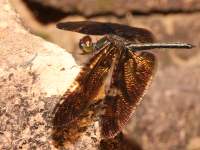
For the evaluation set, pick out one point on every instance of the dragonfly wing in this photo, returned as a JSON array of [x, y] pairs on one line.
[[130, 79], [85, 88], [100, 28]]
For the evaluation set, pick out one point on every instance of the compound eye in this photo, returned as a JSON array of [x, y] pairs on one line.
[[86, 44]]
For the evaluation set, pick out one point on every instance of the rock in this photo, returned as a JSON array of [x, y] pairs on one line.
[[34, 74], [94, 7], [168, 115], [194, 144]]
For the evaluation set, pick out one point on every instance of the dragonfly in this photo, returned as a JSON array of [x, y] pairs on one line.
[[121, 63]]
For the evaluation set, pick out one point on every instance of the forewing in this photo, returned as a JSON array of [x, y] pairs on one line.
[[130, 79], [99, 28], [85, 87]]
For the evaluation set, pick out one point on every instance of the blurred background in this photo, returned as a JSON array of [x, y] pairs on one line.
[[168, 117]]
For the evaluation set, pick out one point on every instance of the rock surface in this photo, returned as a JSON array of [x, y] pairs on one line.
[[119, 7], [34, 74]]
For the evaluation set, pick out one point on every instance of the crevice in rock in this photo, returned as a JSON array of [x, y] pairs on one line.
[[48, 14]]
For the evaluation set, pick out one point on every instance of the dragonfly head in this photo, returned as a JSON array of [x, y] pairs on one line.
[[86, 44]]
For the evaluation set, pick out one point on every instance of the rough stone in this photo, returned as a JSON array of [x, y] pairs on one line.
[[119, 7], [34, 74]]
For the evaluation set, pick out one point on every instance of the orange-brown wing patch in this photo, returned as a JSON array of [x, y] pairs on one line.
[[85, 88], [130, 79]]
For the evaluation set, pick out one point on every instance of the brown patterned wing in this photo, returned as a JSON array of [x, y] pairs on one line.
[[130, 79], [85, 87], [100, 28]]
